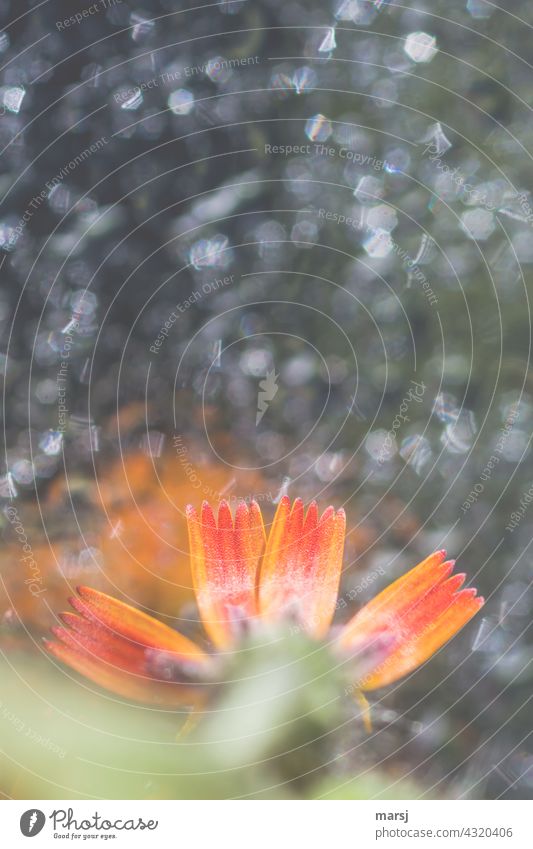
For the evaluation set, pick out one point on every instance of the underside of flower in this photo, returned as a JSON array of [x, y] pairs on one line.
[[241, 578]]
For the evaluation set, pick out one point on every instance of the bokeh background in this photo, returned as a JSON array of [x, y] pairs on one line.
[[246, 249]]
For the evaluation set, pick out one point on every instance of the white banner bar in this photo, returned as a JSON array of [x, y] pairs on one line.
[[268, 824]]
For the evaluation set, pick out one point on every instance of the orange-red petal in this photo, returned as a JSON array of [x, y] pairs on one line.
[[410, 620], [302, 565], [225, 554], [128, 652], [388, 607], [127, 621]]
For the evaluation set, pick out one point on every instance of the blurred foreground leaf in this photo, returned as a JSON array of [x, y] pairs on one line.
[[272, 723], [374, 785]]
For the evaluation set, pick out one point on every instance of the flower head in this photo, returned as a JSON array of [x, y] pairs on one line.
[[242, 579]]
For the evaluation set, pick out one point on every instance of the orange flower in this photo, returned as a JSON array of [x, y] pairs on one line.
[[242, 579]]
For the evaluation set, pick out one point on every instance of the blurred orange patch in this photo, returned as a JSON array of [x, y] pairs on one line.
[[124, 531]]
